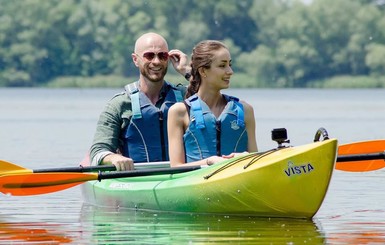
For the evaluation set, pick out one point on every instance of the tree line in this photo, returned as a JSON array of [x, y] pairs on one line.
[[274, 43]]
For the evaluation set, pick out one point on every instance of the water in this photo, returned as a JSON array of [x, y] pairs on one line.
[[42, 128]]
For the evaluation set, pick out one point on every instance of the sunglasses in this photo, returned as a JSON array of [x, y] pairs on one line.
[[163, 56]]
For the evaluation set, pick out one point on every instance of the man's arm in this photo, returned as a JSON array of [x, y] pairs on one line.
[[112, 120]]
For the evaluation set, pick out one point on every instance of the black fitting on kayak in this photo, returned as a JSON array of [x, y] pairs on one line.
[[99, 175], [279, 135], [323, 132]]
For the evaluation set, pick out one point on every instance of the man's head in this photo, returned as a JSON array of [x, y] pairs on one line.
[[151, 56]]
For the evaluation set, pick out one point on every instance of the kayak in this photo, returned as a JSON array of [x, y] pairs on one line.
[[282, 182]]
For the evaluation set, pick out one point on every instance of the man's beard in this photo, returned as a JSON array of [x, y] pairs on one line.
[[153, 77]]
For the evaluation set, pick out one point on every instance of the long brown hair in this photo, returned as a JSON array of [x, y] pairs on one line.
[[202, 56]]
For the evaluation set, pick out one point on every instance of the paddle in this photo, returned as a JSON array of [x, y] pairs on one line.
[[365, 156], [41, 183]]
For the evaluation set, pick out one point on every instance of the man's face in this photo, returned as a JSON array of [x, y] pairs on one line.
[[153, 63]]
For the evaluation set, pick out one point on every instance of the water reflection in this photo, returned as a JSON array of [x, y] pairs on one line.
[[358, 237], [32, 233], [352, 229], [128, 226]]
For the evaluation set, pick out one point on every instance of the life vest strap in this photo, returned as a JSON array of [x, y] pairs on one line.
[[198, 114]]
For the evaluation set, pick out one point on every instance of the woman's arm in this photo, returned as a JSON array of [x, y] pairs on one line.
[[250, 127], [175, 129]]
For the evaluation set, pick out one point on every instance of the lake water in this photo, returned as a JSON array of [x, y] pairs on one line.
[[42, 128]]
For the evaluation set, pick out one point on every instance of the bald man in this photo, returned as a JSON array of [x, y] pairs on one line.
[[133, 126]]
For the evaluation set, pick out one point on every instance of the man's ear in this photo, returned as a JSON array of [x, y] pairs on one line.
[[135, 59]]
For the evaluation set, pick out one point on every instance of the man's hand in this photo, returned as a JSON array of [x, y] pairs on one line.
[[180, 61], [121, 163]]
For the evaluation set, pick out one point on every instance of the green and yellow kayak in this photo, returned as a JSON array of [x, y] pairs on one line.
[[283, 182]]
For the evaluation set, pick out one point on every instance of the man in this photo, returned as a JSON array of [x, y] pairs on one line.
[[133, 126]]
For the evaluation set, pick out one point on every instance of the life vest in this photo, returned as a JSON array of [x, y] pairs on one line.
[[208, 136], [145, 137]]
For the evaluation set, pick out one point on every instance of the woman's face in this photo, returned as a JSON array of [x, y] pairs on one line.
[[220, 72]]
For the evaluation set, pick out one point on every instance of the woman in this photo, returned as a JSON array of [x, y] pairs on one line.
[[209, 126]]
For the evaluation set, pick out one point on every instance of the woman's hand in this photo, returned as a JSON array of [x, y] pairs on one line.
[[235, 154], [214, 159]]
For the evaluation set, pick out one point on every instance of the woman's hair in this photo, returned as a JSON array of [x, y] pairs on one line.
[[202, 56]]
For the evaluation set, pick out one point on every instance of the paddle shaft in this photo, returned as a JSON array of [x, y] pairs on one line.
[[361, 157], [79, 169], [84, 169], [146, 172]]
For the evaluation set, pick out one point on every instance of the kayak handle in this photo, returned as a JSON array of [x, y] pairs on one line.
[[323, 132]]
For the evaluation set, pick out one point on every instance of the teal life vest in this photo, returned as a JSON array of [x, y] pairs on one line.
[[145, 138], [208, 136]]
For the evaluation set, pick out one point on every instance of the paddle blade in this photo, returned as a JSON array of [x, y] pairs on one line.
[[42, 183], [362, 147], [10, 168]]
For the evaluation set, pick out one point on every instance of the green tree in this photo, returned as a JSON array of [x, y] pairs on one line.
[[375, 59], [278, 43]]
